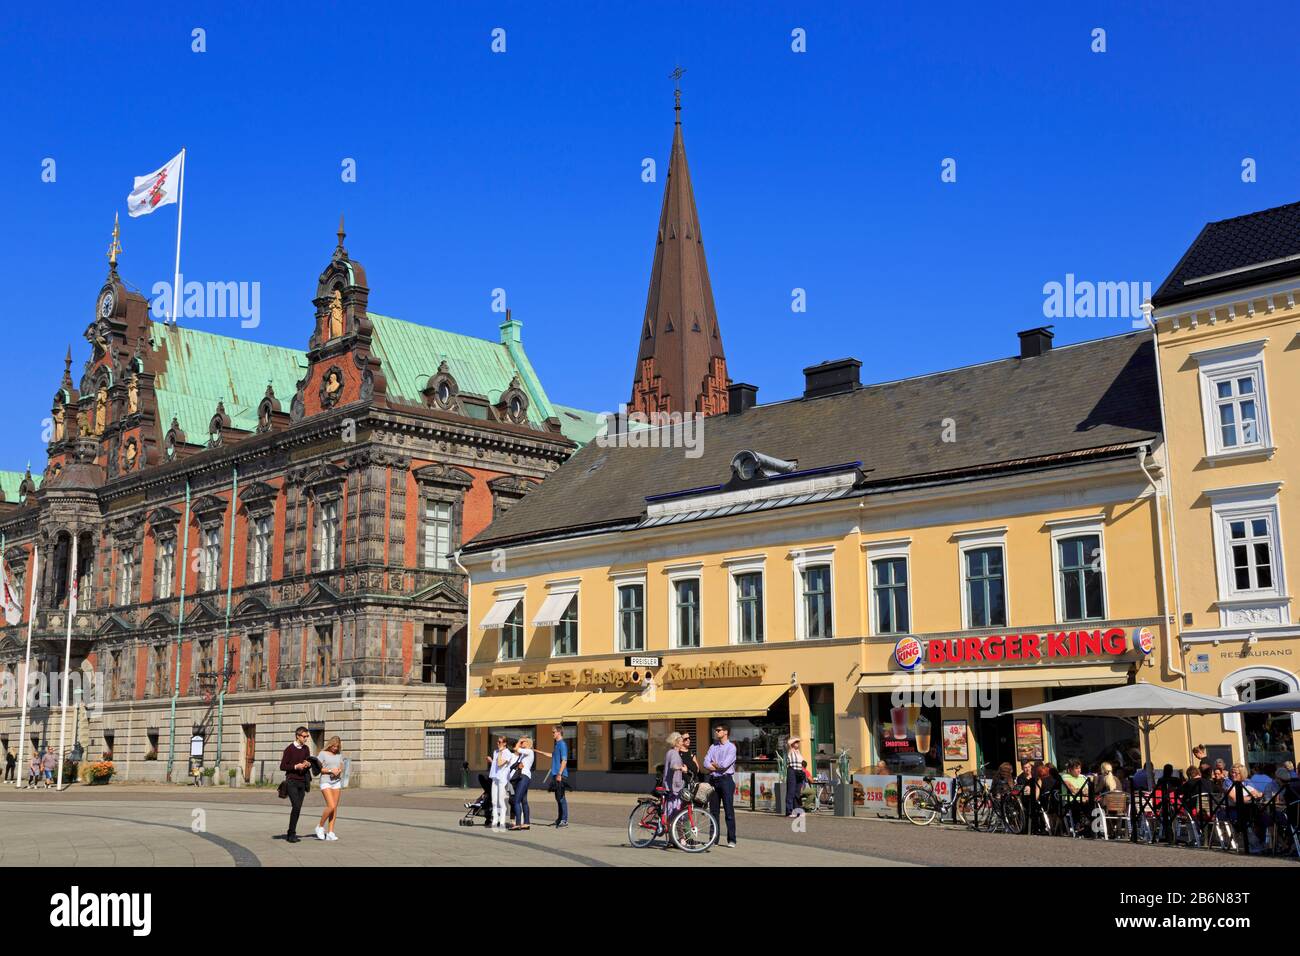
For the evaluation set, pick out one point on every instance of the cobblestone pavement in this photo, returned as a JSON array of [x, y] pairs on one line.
[[130, 825]]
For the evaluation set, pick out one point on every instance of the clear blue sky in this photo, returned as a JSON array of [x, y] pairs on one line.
[[522, 170]]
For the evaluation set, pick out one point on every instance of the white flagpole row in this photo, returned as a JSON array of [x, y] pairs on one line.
[[27, 664], [67, 655], [180, 209]]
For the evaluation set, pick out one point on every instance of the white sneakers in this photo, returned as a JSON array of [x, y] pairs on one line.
[[331, 836], [320, 833]]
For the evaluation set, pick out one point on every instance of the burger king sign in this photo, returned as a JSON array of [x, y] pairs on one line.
[[1144, 640], [907, 653]]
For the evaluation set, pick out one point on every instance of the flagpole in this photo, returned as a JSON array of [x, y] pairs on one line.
[[26, 661], [67, 659], [180, 209]]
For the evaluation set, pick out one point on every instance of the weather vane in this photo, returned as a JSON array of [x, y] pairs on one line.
[[115, 247], [676, 76]]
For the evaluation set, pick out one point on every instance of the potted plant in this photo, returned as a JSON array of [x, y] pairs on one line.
[[230, 776], [101, 772]]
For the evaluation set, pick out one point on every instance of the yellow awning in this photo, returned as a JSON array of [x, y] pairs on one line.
[[517, 710], [1077, 676], [752, 701]]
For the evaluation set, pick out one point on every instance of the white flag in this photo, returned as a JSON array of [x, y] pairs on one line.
[[156, 189], [12, 601]]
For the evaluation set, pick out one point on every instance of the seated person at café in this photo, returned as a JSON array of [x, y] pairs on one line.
[[1075, 782]]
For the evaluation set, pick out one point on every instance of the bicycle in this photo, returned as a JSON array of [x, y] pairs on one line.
[[823, 791], [989, 810], [922, 806], [691, 829]]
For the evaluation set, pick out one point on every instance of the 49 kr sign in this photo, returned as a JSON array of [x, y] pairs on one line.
[[1112, 643]]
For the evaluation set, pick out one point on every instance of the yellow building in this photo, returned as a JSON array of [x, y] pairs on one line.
[[782, 565], [1228, 329]]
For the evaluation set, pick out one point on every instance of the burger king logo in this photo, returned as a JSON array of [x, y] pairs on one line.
[[1145, 640], [907, 652]]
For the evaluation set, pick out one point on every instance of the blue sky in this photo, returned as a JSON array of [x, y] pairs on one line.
[[816, 170]]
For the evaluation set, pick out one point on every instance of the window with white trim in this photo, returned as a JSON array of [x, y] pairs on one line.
[[1250, 550], [1079, 577], [890, 603], [1234, 399], [260, 570], [1249, 555], [815, 584], [437, 534], [564, 638], [210, 559], [631, 617], [748, 587], [686, 612], [165, 565], [126, 576], [512, 635], [327, 532], [985, 586]]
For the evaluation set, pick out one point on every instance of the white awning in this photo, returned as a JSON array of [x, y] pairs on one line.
[[553, 608], [500, 610]]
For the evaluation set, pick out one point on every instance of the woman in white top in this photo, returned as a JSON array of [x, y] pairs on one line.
[[522, 771], [331, 786], [499, 769], [794, 777]]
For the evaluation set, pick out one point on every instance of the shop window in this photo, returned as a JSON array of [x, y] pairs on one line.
[[748, 587], [758, 739], [564, 638], [629, 747], [986, 598], [1268, 737], [512, 634], [1079, 562], [816, 582], [1088, 739], [686, 612], [631, 617], [908, 737], [889, 595]]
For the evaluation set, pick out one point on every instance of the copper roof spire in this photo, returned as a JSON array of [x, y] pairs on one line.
[[680, 365]]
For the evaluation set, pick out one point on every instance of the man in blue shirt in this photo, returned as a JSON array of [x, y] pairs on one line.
[[720, 762], [559, 774]]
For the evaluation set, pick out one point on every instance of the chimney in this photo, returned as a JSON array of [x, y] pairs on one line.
[[1035, 342], [831, 378], [741, 397], [510, 330]]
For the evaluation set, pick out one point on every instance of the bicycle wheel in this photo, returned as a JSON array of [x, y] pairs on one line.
[[965, 807], [1013, 815], [920, 806], [643, 825], [693, 830]]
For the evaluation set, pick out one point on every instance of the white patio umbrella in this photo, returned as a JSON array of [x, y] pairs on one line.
[[1146, 706], [1281, 704]]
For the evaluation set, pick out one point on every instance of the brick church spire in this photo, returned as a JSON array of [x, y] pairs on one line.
[[680, 366]]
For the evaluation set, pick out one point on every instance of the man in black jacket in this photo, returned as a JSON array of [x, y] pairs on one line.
[[296, 764]]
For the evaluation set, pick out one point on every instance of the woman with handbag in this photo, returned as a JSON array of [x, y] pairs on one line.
[[674, 774], [520, 778], [795, 776], [499, 769]]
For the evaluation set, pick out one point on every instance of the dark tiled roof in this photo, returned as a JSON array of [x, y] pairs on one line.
[[1236, 244], [1087, 396]]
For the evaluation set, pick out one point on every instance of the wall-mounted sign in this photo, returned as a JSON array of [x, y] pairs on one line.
[[631, 661], [955, 746], [1028, 648], [1144, 639], [1029, 739], [622, 677], [907, 653]]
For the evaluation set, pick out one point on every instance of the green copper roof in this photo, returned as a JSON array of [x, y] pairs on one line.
[[11, 480], [203, 368]]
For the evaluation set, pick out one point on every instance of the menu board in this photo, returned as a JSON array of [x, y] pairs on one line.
[[876, 792], [955, 745], [765, 790], [1029, 739], [744, 790]]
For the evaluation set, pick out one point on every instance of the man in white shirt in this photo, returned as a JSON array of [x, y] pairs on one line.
[[501, 761]]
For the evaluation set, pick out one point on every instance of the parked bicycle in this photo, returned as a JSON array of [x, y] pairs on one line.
[[923, 805], [691, 827]]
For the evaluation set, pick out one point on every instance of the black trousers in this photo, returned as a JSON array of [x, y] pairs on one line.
[[297, 792], [724, 794]]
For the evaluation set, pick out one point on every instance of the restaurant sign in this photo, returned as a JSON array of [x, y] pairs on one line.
[[1112, 643], [623, 677]]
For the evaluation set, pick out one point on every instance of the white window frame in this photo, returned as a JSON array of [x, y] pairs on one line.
[[210, 578], [802, 559], [676, 574], [885, 551], [974, 540], [1230, 363], [435, 559], [1244, 503], [328, 526], [573, 588], [623, 579], [1074, 528], [126, 580], [507, 594], [165, 559], [749, 564], [263, 544]]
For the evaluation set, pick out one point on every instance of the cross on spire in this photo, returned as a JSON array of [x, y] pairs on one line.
[[676, 77]]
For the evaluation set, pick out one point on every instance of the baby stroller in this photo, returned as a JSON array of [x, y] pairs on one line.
[[482, 806]]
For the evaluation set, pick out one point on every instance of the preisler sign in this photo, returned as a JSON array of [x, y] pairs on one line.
[[1029, 648]]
